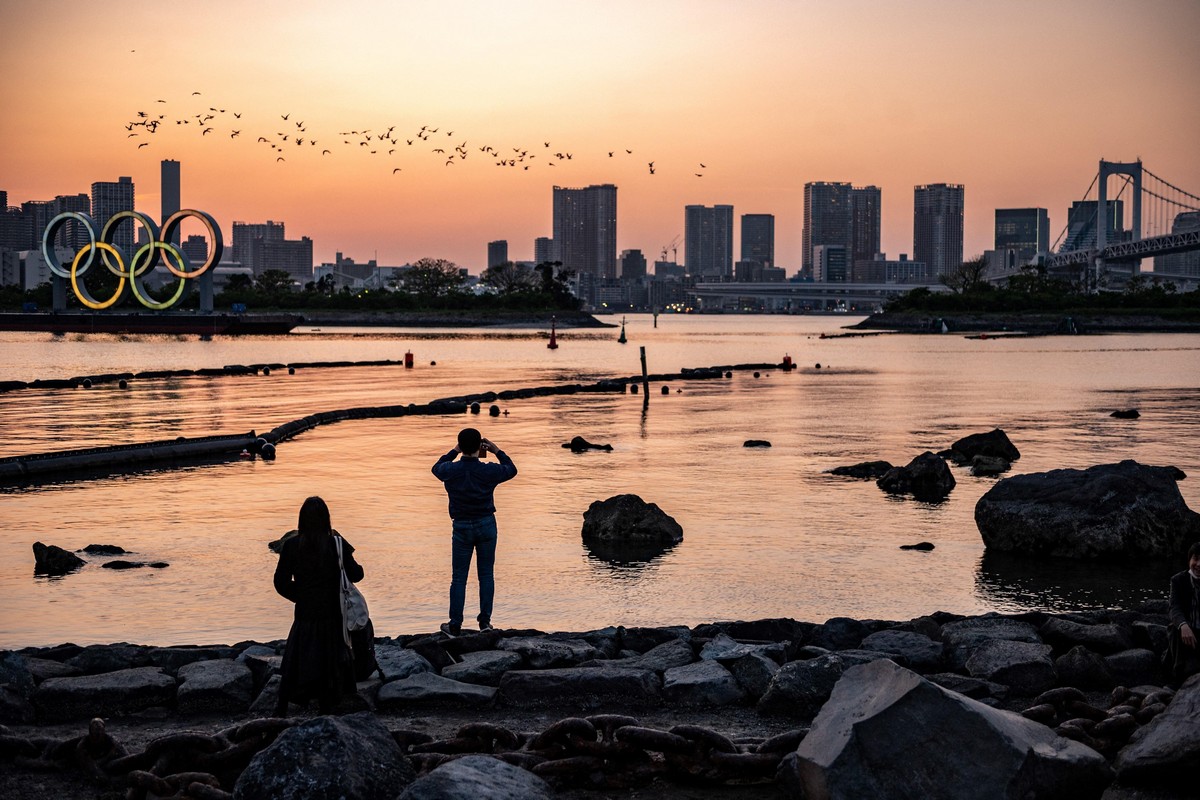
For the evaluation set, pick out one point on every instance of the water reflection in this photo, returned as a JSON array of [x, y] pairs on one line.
[[625, 555], [1012, 582]]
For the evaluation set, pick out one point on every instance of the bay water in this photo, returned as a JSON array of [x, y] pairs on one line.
[[767, 532]]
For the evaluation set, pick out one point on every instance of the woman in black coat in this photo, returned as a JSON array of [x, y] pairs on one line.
[[317, 662]]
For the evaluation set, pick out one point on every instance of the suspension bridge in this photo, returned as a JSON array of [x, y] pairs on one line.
[[1097, 251]]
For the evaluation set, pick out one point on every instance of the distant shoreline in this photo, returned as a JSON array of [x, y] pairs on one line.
[[1038, 323], [450, 319]]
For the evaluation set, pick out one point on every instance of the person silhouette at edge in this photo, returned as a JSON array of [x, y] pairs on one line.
[[470, 482], [316, 661], [1182, 658]]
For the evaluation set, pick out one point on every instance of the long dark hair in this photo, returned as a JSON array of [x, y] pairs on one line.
[[313, 525]]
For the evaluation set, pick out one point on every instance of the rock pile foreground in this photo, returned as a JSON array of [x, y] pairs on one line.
[[993, 703]]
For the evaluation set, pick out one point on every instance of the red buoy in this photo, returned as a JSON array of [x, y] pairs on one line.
[[553, 345], [787, 361], [408, 360]]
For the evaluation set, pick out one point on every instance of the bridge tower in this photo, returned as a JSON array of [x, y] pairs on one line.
[[1134, 171]]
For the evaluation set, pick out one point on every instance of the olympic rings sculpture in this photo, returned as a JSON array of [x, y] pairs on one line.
[[131, 272]]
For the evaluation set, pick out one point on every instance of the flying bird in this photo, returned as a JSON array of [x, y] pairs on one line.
[[324, 152], [703, 167], [285, 116], [195, 93], [281, 158], [143, 144], [235, 133], [206, 130], [397, 169]]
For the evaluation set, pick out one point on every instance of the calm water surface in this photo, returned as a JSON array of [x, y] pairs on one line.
[[766, 532]]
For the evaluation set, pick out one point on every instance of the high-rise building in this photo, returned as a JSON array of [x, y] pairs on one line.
[[1187, 263], [246, 233], [633, 265], [866, 203], [497, 252], [828, 218], [543, 250], [196, 249], [758, 238], [110, 198], [169, 189], [291, 256], [585, 230], [708, 242], [830, 264], [938, 227], [73, 234], [1027, 229], [1081, 225]]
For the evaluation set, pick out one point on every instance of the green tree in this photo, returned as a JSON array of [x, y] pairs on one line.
[[273, 282], [556, 283], [510, 278], [969, 276], [239, 284], [433, 278]]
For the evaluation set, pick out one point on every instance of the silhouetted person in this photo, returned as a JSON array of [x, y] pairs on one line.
[[1183, 654], [317, 663], [470, 482]]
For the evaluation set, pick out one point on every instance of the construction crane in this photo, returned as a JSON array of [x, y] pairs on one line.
[[673, 246]]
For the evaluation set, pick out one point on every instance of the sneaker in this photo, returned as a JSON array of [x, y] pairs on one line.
[[485, 626], [450, 630]]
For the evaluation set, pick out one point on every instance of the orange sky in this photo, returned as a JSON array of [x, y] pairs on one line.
[[1016, 100]]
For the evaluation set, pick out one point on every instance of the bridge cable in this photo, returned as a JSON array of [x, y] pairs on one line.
[[1067, 226], [1173, 186]]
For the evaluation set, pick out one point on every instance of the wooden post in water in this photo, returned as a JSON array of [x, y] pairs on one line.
[[645, 380]]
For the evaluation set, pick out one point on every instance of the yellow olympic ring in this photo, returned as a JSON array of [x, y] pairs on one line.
[[81, 290], [143, 262]]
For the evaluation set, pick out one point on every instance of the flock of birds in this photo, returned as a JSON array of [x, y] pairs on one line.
[[291, 138]]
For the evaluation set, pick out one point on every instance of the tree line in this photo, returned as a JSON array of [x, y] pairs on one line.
[[1033, 289], [430, 284]]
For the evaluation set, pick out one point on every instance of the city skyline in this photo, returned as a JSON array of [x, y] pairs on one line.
[[762, 108]]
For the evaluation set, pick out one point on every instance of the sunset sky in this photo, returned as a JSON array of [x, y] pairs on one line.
[[1016, 100]]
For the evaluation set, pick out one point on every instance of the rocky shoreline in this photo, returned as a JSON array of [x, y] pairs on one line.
[[451, 319], [1036, 324], [727, 709]]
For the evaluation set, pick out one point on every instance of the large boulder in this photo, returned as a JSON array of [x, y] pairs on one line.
[[626, 519], [97, 658], [483, 667], [397, 662], [888, 733], [218, 685], [14, 671], [49, 559], [704, 683], [1024, 667], [800, 688], [540, 652], [926, 477], [328, 758], [1104, 639], [865, 470], [1110, 511], [993, 444], [579, 685], [107, 694], [672, 653], [428, 689], [917, 650], [964, 637], [480, 778], [1166, 752]]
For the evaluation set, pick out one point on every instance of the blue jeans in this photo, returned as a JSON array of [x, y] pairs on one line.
[[473, 536]]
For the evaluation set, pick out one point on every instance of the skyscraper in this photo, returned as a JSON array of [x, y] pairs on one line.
[[828, 218], [585, 230], [758, 238], [245, 234], [1021, 233], [866, 204], [1182, 263], [938, 227], [708, 242], [109, 198], [1081, 225], [497, 252], [543, 250], [169, 189], [633, 265]]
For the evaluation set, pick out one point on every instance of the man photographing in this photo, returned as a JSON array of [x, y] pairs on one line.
[[469, 482]]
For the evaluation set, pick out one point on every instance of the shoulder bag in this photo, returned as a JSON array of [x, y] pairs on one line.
[[354, 605]]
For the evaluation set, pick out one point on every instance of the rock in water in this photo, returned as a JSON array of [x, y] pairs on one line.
[[756, 443], [926, 477], [1110, 511], [886, 732], [51, 560], [865, 470], [579, 444], [1128, 413], [328, 758], [628, 521], [994, 444]]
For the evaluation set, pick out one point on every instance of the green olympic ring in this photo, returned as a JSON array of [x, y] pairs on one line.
[[118, 262]]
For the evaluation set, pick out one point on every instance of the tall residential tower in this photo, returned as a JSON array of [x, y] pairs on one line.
[[938, 227]]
